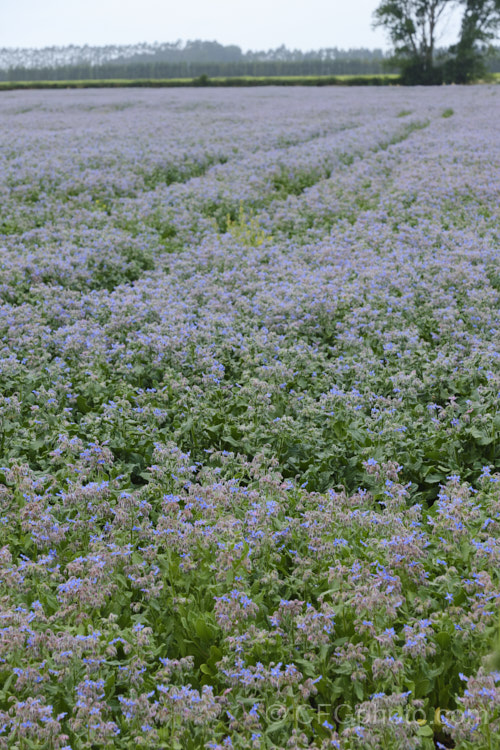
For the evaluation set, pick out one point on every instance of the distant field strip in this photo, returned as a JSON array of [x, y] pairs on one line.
[[203, 81], [249, 418]]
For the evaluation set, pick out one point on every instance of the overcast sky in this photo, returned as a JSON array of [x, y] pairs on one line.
[[252, 24]]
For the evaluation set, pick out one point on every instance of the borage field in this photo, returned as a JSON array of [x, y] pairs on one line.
[[249, 407]]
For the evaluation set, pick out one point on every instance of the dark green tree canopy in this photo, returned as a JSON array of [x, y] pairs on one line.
[[481, 20], [413, 27]]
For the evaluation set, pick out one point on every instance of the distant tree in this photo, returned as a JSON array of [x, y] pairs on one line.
[[413, 27], [467, 58]]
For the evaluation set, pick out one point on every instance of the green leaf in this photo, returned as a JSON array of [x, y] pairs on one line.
[[215, 656], [110, 686], [306, 667], [422, 688], [82, 405], [425, 731], [204, 629], [443, 638], [358, 691], [276, 726], [433, 478]]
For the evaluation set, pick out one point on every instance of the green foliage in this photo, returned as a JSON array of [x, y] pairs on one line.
[[245, 228], [296, 181], [202, 80]]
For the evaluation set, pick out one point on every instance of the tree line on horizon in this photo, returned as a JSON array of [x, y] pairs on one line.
[[412, 26], [191, 59], [191, 51]]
